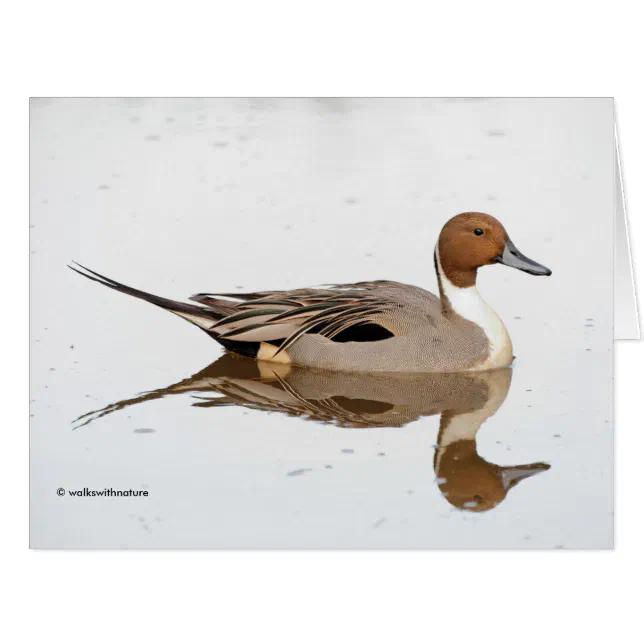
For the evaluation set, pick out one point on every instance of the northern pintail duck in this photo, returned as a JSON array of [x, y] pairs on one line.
[[370, 326]]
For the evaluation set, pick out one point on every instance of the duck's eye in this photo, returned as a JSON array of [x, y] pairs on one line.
[[478, 232]]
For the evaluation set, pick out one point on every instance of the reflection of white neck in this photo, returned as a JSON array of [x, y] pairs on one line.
[[461, 427], [464, 427], [468, 303]]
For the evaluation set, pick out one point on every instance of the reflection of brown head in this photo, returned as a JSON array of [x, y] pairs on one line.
[[469, 482]]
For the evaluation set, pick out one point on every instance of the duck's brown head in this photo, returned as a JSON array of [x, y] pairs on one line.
[[473, 239]]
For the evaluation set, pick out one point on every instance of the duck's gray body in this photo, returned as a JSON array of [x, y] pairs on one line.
[[426, 338], [310, 327]]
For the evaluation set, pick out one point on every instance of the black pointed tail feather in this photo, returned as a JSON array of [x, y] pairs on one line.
[[207, 316]]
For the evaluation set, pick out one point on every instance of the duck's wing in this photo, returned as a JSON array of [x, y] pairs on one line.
[[283, 317]]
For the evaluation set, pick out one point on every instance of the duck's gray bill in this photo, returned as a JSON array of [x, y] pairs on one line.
[[513, 257]]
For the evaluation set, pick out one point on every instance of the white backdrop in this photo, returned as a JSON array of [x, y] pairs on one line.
[[411, 49]]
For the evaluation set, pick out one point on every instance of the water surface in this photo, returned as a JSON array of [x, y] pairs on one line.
[[178, 197]]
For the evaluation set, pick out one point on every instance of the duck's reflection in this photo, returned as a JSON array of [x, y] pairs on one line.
[[464, 401]]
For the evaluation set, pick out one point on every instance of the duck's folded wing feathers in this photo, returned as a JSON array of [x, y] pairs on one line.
[[287, 315]]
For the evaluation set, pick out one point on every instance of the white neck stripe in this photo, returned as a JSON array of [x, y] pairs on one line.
[[467, 302]]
